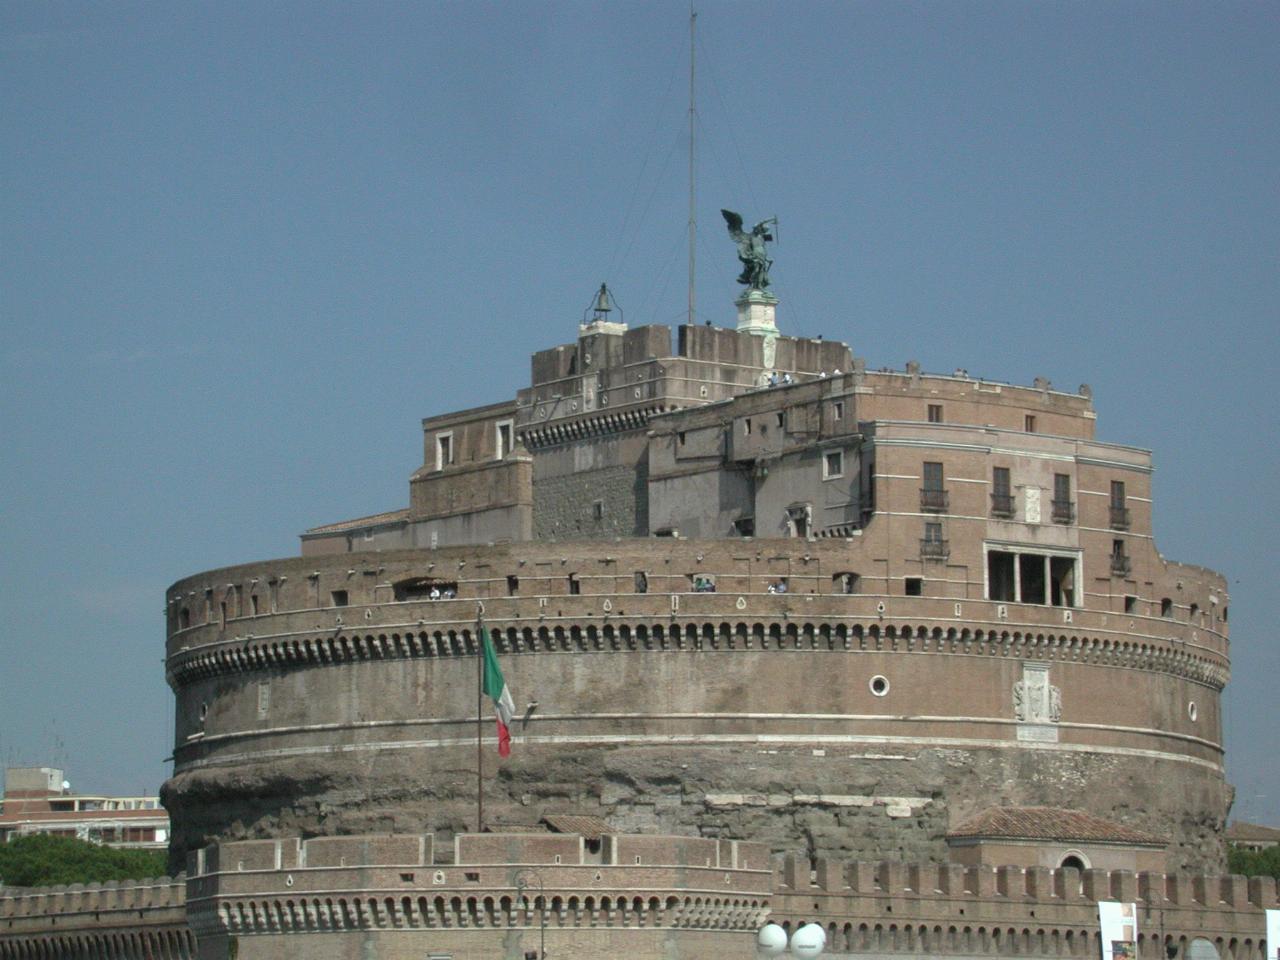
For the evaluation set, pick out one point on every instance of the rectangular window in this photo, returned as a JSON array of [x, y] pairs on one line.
[[575, 585], [641, 582], [1119, 561], [932, 546], [913, 586], [597, 510], [513, 585], [253, 604], [1000, 581], [1029, 423], [932, 495], [837, 410], [782, 418], [746, 427], [1117, 493], [502, 439], [1119, 506], [833, 464], [745, 526], [338, 598], [1001, 493], [1031, 574], [1064, 510], [1166, 607], [1130, 604], [680, 437], [1062, 581], [444, 450], [935, 413]]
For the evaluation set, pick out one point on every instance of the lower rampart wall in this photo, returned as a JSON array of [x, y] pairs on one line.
[[889, 908], [119, 920], [667, 898]]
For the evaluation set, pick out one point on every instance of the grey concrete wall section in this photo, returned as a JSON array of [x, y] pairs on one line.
[[681, 503]]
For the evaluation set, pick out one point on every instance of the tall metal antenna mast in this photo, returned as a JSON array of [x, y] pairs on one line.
[[693, 221]]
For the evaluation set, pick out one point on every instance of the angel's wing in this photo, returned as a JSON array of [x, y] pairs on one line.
[[734, 220]]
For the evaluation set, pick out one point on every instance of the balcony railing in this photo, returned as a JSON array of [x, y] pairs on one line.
[[1120, 565], [1119, 518], [1002, 505], [1064, 511], [933, 500], [935, 549]]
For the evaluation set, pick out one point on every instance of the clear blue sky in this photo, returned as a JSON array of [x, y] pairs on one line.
[[246, 246]]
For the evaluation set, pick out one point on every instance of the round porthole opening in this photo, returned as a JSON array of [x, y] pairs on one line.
[[204, 710], [879, 685], [1192, 712]]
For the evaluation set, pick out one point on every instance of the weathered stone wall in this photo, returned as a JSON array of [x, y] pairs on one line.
[[564, 506], [655, 707]]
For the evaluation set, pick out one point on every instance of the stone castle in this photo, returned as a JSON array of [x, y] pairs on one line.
[[754, 601], [840, 615]]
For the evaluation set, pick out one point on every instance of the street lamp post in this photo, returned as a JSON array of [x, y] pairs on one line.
[[523, 879]]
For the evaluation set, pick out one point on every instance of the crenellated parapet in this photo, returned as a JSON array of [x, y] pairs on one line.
[[947, 909], [638, 891], [117, 919]]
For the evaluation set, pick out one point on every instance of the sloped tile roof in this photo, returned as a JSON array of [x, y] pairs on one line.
[[1050, 823], [1252, 831], [391, 516]]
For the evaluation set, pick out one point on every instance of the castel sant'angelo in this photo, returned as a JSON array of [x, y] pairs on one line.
[[789, 638]]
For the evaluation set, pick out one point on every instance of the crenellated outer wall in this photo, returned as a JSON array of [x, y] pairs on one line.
[[735, 713], [660, 897], [950, 910], [119, 920]]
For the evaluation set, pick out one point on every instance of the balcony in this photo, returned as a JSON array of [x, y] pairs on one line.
[[933, 501], [1119, 518], [1120, 565], [1002, 505], [935, 549], [1064, 511]]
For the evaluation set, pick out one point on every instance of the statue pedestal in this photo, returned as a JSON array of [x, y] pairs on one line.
[[756, 313]]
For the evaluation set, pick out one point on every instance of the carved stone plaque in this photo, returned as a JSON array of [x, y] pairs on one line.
[[1031, 504], [1037, 704]]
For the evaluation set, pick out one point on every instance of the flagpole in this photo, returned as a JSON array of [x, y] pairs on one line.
[[479, 719]]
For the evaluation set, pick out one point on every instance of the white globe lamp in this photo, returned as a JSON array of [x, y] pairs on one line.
[[808, 941], [771, 940]]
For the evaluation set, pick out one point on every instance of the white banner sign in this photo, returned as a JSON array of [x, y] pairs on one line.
[[1118, 923], [1273, 935]]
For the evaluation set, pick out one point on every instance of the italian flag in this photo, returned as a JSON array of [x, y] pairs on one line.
[[496, 687]]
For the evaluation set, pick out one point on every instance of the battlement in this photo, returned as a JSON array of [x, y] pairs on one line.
[[948, 909], [1039, 884], [149, 893], [477, 850], [146, 916]]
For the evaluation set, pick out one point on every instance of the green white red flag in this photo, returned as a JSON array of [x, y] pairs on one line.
[[496, 687]]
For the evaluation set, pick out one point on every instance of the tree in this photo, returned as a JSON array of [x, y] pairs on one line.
[[39, 860], [1254, 863]]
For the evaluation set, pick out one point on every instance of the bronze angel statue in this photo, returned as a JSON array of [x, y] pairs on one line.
[[751, 251]]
